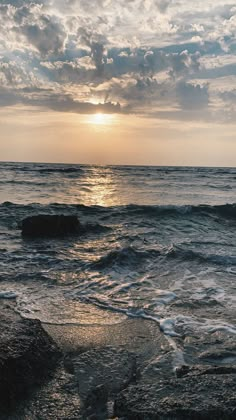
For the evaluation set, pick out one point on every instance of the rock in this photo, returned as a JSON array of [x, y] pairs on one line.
[[217, 349], [208, 397], [27, 355], [50, 225], [218, 355], [197, 370], [58, 398], [103, 372]]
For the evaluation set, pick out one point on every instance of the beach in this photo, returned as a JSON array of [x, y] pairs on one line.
[[130, 271], [118, 371]]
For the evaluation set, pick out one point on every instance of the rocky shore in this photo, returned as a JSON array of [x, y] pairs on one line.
[[28, 356], [122, 371]]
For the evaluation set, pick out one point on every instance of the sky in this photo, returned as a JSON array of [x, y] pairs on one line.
[[118, 82]]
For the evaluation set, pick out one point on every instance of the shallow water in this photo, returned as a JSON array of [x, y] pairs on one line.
[[162, 246]]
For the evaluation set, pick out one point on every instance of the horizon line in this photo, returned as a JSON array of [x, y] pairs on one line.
[[117, 164]]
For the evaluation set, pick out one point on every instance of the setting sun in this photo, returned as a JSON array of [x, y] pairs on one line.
[[100, 119]]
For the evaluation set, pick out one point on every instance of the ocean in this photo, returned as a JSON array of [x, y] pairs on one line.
[[161, 246]]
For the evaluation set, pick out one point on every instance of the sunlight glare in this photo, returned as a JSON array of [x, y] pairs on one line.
[[100, 119]]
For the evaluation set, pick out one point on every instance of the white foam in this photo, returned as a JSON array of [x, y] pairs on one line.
[[8, 294], [168, 327], [164, 297]]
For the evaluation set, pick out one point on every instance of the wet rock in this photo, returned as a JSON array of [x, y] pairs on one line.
[[201, 397], [103, 372], [27, 355], [204, 370], [50, 225], [58, 399], [217, 349], [218, 356], [98, 396]]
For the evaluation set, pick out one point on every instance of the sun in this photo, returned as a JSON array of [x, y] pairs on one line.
[[100, 119]]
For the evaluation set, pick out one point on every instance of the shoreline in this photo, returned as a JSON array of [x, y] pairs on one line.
[[125, 371]]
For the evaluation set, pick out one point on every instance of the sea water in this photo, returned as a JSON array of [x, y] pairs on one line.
[[162, 245]]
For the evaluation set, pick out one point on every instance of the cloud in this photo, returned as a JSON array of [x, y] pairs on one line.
[[229, 96], [20, 3], [96, 47], [51, 99], [192, 97], [142, 54], [48, 38], [68, 104], [44, 32], [15, 74], [163, 5], [8, 97]]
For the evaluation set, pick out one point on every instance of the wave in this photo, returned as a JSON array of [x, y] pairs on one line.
[[188, 255], [25, 182], [124, 256], [44, 169], [95, 228], [130, 256], [220, 187], [61, 170], [225, 211]]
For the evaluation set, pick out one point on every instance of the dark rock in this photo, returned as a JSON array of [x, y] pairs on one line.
[[197, 370], [218, 355], [27, 355], [98, 396], [217, 349], [58, 398], [103, 372], [50, 225], [208, 397]]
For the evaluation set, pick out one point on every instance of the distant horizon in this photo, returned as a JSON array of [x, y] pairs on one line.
[[111, 164]]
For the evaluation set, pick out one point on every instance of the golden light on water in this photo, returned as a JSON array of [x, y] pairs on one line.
[[101, 187]]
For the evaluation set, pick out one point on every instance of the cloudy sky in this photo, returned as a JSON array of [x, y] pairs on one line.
[[125, 81]]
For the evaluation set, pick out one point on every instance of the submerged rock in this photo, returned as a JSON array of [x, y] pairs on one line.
[[50, 225], [27, 355], [204, 396]]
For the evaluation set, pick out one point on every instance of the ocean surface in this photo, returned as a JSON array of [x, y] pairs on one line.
[[162, 245]]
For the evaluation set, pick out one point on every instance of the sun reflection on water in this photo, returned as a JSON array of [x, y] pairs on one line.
[[101, 189]]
